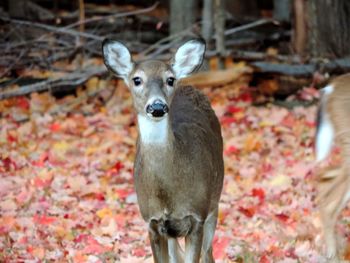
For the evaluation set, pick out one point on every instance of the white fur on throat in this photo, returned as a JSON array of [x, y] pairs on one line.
[[152, 131], [325, 134]]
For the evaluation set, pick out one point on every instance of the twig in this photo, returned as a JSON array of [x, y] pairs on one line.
[[249, 25], [52, 28], [130, 13], [166, 39]]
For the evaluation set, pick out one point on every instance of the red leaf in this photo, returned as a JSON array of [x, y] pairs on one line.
[[264, 259], [289, 121], [123, 193], [11, 138], [220, 245], [246, 97], [248, 212], [233, 109], [231, 150], [8, 164], [228, 120], [23, 103], [118, 166], [43, 219], [54, 127], [93, 247], [259, 193], [38, 182], [99, 196], [139, 252], [283, 217]]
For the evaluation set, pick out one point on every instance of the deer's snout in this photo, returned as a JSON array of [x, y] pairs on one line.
[[157, 109]]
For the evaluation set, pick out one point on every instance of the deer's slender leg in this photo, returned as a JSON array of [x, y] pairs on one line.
[[193, 243], [209, 230], [174, 251], [159, 244]]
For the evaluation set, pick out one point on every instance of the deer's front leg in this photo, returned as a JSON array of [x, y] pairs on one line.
[[159, 244], [193, 243]]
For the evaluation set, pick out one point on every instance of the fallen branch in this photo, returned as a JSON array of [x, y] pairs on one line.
[[216, 78], [252, 55], [70, 79], [304, 70]]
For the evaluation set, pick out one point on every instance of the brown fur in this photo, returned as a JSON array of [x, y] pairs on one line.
[[179, 178], [192, 162], [334, 183]]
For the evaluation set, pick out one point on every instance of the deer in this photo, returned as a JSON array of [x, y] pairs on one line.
[[178, 167], [333, 127]]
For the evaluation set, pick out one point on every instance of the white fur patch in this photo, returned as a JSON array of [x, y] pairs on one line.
[[187, 58], [325, 134], [152, 131]]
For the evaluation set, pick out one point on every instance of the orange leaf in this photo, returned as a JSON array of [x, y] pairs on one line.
[[43, 219]]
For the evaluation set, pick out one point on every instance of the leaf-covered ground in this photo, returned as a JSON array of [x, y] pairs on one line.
[[66, 189]]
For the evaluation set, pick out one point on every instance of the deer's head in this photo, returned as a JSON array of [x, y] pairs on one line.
[[152, 83]]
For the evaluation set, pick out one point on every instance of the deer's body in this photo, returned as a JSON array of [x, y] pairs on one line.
[[189, 160], [334, 184], [179, 164]]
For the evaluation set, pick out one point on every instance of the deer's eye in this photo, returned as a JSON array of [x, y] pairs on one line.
[[170, 81], [137, 81]]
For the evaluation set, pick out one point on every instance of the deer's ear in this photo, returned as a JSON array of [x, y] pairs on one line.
[[117, 58], [188, 58]]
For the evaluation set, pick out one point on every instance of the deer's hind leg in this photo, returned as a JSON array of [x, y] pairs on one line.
[[334, 193], [209, 230]]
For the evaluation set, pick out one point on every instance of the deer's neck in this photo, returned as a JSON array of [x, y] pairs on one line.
[[155, 133]]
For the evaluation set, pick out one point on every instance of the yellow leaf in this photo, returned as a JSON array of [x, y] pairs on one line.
[[232, 188], [265, 124], [104, 212], [61, 147], [281, 181], [92, 84], [252, 143]]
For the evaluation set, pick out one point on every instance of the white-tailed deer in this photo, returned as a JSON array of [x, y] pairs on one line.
[[334, 184], [178, 169]]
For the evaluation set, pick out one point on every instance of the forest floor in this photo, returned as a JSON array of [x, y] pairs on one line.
[[67, 195]]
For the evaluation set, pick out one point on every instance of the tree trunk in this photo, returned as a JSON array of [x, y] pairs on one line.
[[282, 10], [329, 28], [219, 31], [207, 28], [207, 22], [182, 15], [300, 29]]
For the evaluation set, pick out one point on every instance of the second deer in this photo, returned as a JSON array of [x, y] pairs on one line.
[[178, 168], [334, 185]]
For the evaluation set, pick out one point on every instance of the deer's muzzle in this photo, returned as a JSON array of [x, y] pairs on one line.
[[157, 109]]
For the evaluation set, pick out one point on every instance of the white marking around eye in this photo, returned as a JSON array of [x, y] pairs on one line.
[[325, 134], [153, 131], [141, 74]]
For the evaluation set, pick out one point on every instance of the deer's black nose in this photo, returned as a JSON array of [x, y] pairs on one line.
[[157, 109]]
